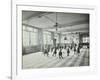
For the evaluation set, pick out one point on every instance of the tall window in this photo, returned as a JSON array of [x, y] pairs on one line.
[[57, 38], [70, 38], [85, 39], [34, 37], [63, 39], [47, 37], [25, 37], [30, 36]]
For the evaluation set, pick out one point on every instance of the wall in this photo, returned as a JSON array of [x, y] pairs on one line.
[[5, 40]]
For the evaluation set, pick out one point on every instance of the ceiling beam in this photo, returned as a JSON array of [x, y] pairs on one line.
[[71, 30], [72, 24], [74, 29], [37, 14], [27, 25], [33, 15]]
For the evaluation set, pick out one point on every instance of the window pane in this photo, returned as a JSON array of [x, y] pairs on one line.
[[24, 27], [47, 37], [30, 29], [35, 30], [57, 38], [85, 39], [25, 38], [30, 36], [34, 38], [62, 39]]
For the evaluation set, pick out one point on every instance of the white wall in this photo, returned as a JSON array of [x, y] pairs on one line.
[[5, 37]]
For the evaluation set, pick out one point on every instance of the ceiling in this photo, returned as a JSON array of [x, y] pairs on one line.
[[67, 22]]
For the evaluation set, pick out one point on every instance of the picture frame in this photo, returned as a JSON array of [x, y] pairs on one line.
[[16, 60]]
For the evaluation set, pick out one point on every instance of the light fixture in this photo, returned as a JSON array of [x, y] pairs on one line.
[[65, 38], [56, 24]]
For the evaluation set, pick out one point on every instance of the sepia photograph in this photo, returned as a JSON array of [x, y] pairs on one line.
[[55, 39]]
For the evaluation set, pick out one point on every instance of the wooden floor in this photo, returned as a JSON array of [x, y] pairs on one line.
[[38, 60]]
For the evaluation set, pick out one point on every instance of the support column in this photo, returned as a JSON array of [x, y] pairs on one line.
[[53, 39], [60, 38], [40, 39]]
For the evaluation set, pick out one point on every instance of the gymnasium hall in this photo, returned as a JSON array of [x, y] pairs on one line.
[[54, 39]]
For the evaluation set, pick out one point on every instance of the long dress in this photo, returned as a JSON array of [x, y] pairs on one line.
[[68, 52]]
